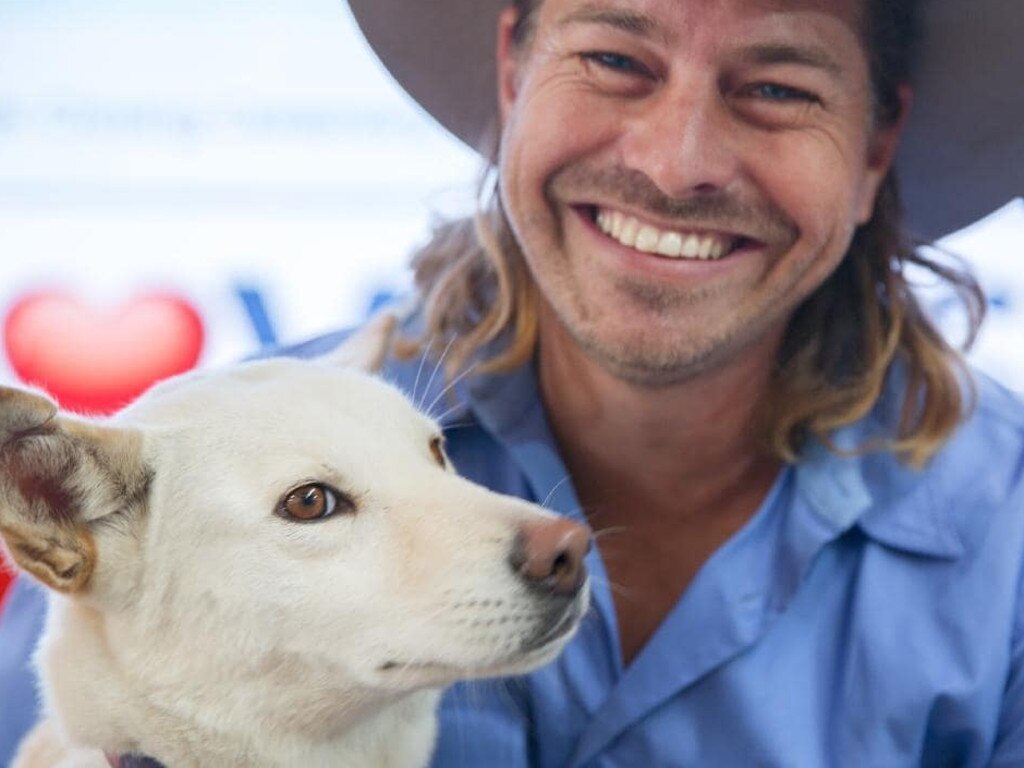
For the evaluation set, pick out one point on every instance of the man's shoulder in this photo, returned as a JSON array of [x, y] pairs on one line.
[[990, 438], [990, 435], [974, 483], [310, 348], [998, 404]]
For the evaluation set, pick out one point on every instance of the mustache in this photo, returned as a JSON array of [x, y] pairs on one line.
[[635, 189]]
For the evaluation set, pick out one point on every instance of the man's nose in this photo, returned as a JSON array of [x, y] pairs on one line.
[[683, 140]]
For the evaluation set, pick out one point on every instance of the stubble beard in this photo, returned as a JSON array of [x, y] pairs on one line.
[[644, 355]]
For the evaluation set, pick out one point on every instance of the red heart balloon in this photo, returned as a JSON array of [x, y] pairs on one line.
[[6, 579], [95, 360]]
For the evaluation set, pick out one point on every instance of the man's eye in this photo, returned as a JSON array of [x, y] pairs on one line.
[[614, 61], [782, 93]]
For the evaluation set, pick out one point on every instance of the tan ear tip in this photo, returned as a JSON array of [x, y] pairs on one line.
[[21, 411], [386, 326], [61, 557], [384, 323]]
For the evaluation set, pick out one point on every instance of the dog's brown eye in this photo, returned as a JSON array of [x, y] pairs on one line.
[[437, 448], [313, 501]]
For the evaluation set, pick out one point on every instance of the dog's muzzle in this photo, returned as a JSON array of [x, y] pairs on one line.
[[548, 556]]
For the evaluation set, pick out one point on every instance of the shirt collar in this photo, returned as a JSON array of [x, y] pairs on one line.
[[888, 501]]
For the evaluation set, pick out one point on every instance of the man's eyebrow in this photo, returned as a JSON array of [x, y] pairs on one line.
[[782, 53], [625, 20]]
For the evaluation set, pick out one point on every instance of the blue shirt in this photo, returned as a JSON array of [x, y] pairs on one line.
[[867, 615]]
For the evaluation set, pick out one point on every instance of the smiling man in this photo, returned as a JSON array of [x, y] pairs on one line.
[[685, 317], [679, 178], [689, 297]]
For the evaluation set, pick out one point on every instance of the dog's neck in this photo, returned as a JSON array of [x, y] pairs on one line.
[[105, 705]]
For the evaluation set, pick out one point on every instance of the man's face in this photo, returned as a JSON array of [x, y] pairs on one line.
[[734, 136]]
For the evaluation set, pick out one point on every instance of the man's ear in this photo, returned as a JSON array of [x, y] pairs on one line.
[[882, 154], [368, 347], [509, 57], [59, 480]]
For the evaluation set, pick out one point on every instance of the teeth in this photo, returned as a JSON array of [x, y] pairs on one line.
[[647, 239], [630, 232], [691, 248], [705, 247], [670, 244]]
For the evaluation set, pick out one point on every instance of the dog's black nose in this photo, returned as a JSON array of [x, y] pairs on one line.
[[549, 554]]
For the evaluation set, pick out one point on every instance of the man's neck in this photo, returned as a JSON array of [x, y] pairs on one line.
[[670, 473], [695, 442]]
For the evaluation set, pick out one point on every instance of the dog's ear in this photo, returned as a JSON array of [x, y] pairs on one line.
[[59, 478], [368, 347]]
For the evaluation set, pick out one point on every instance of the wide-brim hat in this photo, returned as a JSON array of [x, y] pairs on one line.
[[961, 157]]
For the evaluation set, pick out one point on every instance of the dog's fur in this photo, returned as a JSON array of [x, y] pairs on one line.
[[193, 621]]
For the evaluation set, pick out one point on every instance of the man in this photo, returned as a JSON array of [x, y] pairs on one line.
[[684, 318]]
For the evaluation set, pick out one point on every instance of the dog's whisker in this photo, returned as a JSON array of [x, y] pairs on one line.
[[610, 531], [451, 385], [433, 375], [587, 513], [615, 589], [459, 425], [444, 414], [554, 488], [592, 513], [419, 372]]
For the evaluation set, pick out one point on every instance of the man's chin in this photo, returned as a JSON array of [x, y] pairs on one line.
[[645, 349], [644, 362]]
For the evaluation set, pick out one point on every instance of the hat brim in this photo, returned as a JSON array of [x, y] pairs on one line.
[[961, 157]]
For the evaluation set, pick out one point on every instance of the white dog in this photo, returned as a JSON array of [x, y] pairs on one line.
[[269, 565]]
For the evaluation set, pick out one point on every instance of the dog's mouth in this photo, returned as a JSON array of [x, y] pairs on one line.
[[561, 625], [532, 652], [419, 666], [441, 673]]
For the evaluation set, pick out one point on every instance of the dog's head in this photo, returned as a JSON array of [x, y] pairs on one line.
[[295, 521]]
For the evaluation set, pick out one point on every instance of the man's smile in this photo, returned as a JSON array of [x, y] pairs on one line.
[[646, 237]]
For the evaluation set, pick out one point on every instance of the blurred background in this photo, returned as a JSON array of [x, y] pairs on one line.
[[247, 157], [185, 181]]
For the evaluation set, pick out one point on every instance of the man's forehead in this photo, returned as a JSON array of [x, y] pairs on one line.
[[823, 35], [665, 19]]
